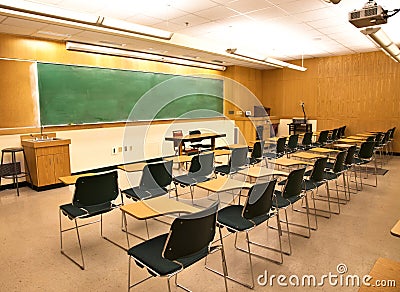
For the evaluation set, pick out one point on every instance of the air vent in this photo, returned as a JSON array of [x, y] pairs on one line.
[[371, 11]]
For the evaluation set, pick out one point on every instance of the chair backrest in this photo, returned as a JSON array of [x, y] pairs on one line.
[[258, 148], [386, 137], [371, 138], [323, 137], [392, 132], [366, 150], [177, 134], [202, 164], [317, 173], [194, 132], [156, 175], [259, 199], [341, 132], [280, 145], [307, 139], [334, 135], [350, 155], [191, 233], [238, 158], [294, 182], [293, 140], [378, 139], [96, 189], [338, 166]]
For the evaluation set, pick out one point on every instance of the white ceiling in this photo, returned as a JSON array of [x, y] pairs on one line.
[[283, 29]]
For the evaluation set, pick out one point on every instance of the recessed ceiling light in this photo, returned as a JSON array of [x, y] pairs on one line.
[[113, 43], [55, 34], [191, 56]]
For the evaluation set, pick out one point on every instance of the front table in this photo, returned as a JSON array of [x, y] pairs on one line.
[[189, 138]]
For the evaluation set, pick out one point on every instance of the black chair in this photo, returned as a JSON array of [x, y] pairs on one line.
[[333, 174], [341, 132], [322, 138], [290, 194], [315, 179], [257, 153], [278, 151], [391, 139], [306, 142], [156, 181], [201, 169], [348, 165], [196, 144], [333, 137], [94, 195], [237, 161], [365, 155], [291, 146], [188, 241], [237, 218]]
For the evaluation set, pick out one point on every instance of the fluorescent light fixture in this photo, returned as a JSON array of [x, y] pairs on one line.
[[51, 14], [382, 41], [88, 48], [47, 10], [136, 28], [267, 61]]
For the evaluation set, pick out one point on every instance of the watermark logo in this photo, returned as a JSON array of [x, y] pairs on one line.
[[340, 278]]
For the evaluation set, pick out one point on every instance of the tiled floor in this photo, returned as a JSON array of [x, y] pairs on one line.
[[31, 260]]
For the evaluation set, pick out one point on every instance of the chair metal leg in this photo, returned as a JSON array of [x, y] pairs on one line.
[[225, 273], [106, 238], [82, 266]]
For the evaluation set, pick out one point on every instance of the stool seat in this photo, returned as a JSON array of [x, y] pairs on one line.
[[12, 149], [13, 170]]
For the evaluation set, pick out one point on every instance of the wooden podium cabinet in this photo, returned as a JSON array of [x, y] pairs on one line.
[[47, 160]]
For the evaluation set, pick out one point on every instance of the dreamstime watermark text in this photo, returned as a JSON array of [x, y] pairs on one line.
[[334, 279]]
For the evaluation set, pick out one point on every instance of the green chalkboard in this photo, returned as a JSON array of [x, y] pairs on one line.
[[77, 95]]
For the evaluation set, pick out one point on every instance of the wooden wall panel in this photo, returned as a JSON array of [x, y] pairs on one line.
[[361, 91]]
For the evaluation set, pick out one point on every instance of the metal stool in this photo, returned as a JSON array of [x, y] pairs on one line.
[[13, 169]]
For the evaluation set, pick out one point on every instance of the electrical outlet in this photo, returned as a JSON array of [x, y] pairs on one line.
[[114, 151], [125, 148], [131, 148], [119, 149]]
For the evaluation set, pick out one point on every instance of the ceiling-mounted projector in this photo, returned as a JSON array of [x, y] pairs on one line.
[[371, 14]]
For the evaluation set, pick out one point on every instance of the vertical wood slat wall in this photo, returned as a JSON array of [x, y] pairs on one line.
[[361, 91]]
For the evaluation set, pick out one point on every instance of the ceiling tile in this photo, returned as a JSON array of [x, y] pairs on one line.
[[169, 26], [300, 6], [244, 6], [313, 15], [190, 20], [11, 21], [143, 19], [193, 6], [216, 13], [82, 6], [60, 29], [266, 14], [16, 30]]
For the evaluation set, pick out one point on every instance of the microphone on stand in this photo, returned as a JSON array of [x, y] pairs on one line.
[[304, 112]]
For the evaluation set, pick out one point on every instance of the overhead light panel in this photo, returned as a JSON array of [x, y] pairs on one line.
[[382, 41], [88, 48], [267, 61]]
